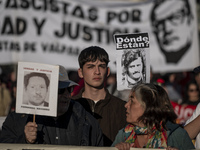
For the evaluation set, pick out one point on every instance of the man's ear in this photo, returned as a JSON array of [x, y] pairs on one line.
[[80, 73], [108, 71]]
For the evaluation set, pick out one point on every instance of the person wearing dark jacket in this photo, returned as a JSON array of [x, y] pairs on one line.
[[72, 126], [95, 98]]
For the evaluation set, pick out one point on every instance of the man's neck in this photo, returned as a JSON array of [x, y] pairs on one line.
[[94, 94]]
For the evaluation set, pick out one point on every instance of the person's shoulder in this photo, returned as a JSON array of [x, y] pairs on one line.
[[171, 125], [117, 106], [114, 98], [18, 115], [117, 100], [79, 99], [120, 137], [91, 119], [175, 129], [194, 115], [75, 97], [180, 129], [198, 108], [75, 104], [78, 95], [80, 112], [179, 138], [77, 108], [14, 117], [116, 103]]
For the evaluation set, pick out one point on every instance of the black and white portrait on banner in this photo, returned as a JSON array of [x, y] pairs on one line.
[[37, 86], [174, 30], [133, 60]]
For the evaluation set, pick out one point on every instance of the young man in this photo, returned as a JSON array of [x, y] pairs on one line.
[[72, 126], [107, 109]]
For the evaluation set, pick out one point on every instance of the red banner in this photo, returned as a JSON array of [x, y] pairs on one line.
[[183, 112]]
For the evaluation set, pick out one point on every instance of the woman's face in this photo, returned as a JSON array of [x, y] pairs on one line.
[[193, 92], [134, 110]]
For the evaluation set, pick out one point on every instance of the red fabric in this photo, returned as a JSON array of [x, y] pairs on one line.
[[183, 112], [78, 88]]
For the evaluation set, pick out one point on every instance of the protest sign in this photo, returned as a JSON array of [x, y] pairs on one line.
[[133, 60], [37, 86], [55, 32]]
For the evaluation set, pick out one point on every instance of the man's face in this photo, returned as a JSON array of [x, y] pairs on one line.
[[94, 73], [135, 69], [170, 26], [36, 90], [64, 97]]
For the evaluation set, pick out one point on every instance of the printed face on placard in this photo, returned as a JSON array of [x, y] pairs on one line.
[[135, 69], [36, 90]]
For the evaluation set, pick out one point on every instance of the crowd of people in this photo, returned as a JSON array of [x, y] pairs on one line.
[[93, 114]]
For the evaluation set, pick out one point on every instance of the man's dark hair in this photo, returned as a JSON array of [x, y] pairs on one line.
[[93, 53], [36, 74]]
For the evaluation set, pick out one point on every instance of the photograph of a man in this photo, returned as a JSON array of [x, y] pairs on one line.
[[36, 87], [133, 67], [172, 28]]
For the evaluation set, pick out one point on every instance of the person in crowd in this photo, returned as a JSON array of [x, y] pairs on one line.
[[192, 124], [168, 26], [95, 98], [36, 89], [13, 96], [12, 83], [5, 98], [197, 75], [172, 87], [134, 67], [111, 85], [72, 126], [193, 128], [151, 121], [191, 94]]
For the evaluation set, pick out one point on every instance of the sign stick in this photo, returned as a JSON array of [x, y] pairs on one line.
[[34, 118]]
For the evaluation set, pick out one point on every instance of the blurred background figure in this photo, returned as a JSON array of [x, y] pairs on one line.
[[5, 98], [111, 84], [197, 75], [172, 87], [191, 94], [13, 96]]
